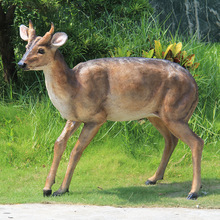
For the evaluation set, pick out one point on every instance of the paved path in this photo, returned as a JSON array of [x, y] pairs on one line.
[[81, 212]]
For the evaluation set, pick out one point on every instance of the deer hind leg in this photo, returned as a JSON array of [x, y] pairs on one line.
[[59, 147], [181, 130], [87, 134], [170, 144]]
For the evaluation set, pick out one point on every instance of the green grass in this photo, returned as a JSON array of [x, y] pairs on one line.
[[108, 176]]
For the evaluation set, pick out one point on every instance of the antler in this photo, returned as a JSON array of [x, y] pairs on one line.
[[31, 32], [31, 25], [51, 31], [47, 37]]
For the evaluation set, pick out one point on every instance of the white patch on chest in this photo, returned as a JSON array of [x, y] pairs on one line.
[[59, 100]]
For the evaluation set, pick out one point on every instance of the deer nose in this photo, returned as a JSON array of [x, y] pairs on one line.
[[22, 65]]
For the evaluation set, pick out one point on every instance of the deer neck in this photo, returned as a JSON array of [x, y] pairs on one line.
[[57, 73], [60, 80], [56, 69]]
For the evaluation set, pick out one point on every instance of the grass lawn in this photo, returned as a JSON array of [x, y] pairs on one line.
[[106, 175]]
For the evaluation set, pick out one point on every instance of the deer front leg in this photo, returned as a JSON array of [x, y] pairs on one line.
[[59, 147], [87, 134]]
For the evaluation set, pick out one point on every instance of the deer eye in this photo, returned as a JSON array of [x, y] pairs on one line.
[[41, 51]]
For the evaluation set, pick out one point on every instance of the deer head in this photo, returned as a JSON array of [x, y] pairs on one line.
[[39, 50]]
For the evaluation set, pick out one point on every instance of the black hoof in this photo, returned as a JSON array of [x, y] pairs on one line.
[[59, 193], [47, 192], [192, 196], [56, 194], [149, 182]]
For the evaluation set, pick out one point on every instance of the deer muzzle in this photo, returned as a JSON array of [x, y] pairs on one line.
[[22, 65]]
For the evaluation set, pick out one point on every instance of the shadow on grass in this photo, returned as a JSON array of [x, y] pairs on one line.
[[145, 194], [149, 195]]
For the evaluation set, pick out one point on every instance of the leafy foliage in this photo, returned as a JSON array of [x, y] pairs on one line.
[[173, 53], [133, 9], [120, 52]]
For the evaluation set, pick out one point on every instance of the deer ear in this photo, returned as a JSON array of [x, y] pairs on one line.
[[24, 32], [59, 39]]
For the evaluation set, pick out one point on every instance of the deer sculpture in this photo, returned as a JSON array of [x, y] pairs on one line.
[[116, 89]]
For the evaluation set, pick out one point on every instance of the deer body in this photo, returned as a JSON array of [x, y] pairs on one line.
[[116, 89], [119, 89]]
